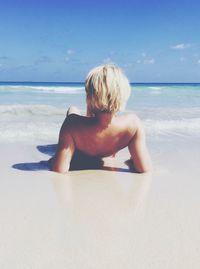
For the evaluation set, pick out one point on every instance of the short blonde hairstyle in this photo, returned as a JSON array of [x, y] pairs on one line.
[[107, 89]]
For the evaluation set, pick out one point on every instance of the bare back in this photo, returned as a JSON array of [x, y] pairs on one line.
[[94, 139], [101, 136]]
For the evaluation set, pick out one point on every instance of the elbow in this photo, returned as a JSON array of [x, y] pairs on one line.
[[58, 168], [142, 168], [142, 171], [145, 169]]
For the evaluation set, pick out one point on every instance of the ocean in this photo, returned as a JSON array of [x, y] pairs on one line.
[[34, 112]]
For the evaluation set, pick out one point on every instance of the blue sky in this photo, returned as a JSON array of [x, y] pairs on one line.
[[152, 40]]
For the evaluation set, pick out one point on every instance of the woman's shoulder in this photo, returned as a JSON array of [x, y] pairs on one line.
[[76, 122], [130, 118], [130, 121]]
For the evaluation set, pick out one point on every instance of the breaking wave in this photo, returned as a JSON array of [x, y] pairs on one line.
[[43, 89], [33, 122]]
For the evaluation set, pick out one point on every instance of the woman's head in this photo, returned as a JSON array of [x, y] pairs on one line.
[[107, 89]]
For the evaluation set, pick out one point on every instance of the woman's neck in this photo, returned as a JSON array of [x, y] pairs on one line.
[[104, 118]]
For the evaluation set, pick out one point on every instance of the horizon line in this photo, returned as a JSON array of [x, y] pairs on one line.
[[82, 82]]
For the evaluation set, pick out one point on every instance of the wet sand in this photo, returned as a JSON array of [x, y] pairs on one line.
[[101, 218]]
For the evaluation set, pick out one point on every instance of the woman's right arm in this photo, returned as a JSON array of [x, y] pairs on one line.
[[139, 151]]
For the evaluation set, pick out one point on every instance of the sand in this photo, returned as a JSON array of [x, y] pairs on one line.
[[98, 218]]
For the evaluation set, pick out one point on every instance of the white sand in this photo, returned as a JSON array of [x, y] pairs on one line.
[[101, 219]]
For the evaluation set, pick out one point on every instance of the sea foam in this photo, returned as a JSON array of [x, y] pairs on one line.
[[42, 122], [43, 89], [169, 127], [31, 110]]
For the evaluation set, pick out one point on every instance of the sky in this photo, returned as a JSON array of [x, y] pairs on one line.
[[151, 40]]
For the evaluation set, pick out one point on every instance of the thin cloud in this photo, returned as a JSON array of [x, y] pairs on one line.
[[4, 58], [43, 59], [108, 61], [181, 46], [68, 58], [182, 59], [198, 62], [145, 59], [70, 51], [149, 61]]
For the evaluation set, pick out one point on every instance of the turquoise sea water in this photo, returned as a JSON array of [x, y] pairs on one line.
[[35, 111]]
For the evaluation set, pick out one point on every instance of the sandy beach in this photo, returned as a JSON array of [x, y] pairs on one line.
[[98, 218], [60, 54]]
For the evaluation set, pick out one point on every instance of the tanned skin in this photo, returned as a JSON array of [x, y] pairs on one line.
[[102, 135]]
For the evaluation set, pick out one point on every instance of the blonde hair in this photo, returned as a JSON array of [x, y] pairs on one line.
[[107, 89]]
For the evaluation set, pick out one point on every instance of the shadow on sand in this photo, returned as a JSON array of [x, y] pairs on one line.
[[80, 161]]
